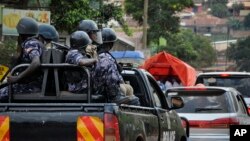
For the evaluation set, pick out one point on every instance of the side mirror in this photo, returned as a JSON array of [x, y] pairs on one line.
[[177, 102]]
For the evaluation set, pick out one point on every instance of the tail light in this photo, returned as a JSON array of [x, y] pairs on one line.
[[4, 128], [111, 128], [218, 123], [224, 75]]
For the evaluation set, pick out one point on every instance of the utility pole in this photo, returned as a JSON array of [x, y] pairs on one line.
[[145, 24]]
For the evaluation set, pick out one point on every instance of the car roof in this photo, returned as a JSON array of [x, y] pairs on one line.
[[220, 73], [205, 88]]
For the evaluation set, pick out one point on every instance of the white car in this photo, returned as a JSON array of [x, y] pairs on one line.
[[238, 80], [210, 111]]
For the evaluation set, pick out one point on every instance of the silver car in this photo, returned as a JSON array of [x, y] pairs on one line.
[[210, 111], [238, 80]]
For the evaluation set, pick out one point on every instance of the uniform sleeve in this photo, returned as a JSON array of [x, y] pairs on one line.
[[74, 58], [34, 53], [32, 49], [106, 73]]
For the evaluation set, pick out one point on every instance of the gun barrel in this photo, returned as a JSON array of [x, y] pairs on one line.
[[58, 45]]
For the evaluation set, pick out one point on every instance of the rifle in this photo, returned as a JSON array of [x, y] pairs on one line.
[[60, 46]]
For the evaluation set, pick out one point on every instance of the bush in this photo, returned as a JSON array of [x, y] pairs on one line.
[[7, 49]]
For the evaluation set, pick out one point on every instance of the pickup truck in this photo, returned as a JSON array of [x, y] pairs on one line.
[[56, 114]]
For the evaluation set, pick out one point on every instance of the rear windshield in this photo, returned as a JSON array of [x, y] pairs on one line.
[[239, 83], [205, 104]]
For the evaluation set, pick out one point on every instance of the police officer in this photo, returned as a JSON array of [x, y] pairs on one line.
[[79, 40], [47, 33], [106, 75], [91, 28], [29, 51]]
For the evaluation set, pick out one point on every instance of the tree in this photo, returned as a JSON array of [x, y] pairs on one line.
[[7, 50], [239, 52], [66, 15], [191, 48], [220, 10], [234, 23], [246, 21], [162, 19], [236, 7]]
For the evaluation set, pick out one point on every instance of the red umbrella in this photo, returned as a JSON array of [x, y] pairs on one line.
[[163, 65]]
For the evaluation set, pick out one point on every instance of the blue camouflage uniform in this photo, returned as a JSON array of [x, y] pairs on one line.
[[73, 57], [30, 48], [106, 74]]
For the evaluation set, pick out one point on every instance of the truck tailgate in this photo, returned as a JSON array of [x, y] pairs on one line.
[[50, 122]]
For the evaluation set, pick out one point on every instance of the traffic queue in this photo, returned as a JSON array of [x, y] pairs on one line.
[[213, 101]]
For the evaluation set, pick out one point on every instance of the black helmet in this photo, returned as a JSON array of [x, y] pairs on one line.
[[27, 25], [88, 26], [91, 27], [108, 35], [79, 40], [48, 32]]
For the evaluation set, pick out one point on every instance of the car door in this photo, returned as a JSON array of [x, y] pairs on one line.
[[168, 119]]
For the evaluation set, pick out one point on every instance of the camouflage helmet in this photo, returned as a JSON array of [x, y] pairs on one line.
[[79, 40], [27, 25]]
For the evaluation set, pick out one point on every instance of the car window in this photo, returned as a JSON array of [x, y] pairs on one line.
[[241, 105], [242, 84], [205, 104], [155, 92], [235, 103]]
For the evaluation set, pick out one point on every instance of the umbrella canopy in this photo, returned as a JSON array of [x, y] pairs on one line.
[[163, 65]]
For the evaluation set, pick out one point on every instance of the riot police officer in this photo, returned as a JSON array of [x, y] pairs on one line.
[[107, 75], [91, 28], [79, 40], [29, 51], [47, 33]]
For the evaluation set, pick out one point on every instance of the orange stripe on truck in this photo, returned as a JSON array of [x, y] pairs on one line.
[[89, 129], [4, 128]]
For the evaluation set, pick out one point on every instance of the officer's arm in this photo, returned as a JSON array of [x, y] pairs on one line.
[[33, 66], [87, 62]]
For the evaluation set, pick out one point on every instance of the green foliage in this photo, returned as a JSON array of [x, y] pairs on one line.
[[220, 10], [111, 11], [236, 7], [246, 21], [193, 49], [116, 12], [239, 52], [7, 50], [234, 23], [161, 16], [67, 14]]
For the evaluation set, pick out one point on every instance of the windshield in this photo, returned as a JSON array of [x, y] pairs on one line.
[[241, 84], [205, 104]]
